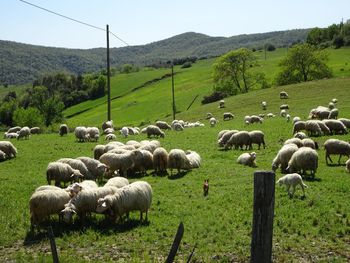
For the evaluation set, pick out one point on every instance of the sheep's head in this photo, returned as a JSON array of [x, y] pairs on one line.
[[74, 189], [162, 134], [101, 169], [67, 214], [253, 155], [103, 204], [77, 176]]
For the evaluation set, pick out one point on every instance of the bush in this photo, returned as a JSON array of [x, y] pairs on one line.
[[215, 96], [6, 112], [28, 117], [270, 47], [338, 41]]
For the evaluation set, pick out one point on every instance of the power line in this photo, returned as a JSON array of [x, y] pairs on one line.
[[74, 20]]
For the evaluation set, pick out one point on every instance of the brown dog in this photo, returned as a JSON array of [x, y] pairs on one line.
[[206, 187]]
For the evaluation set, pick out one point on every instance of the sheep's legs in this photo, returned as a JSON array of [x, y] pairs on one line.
[[328, 157], [339, 159], [302, 188]]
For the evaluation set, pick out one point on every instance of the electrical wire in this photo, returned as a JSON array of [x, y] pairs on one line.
[[74, 20]]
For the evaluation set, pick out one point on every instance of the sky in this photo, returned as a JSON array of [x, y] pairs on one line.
[[140, 22]]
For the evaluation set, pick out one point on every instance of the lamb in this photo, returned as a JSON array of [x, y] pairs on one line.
[[247, 159], [23, 133], [283, 156], [114, 162], [10, 135], [107, 125], [336, 127], [309, 143], [194, 159], [283, 95], [300, 135], [81, 134], [133, 197], [95, 167], [264, 105], [2, 156], [228, 116], [124, 132], [296, 141], [35, 130], [8, 148], [143, 160], [335, 146], [14, 129], [98, 151], [312, 128], [163, 125], [347, 166], [257, 137], [62, 172], [299, 126], [346, 122], [78, 165], [213, 122], [177, 160], [63, 130], [239, 139], [160, 160], [45, 203], [302, 160], [117, 182], [85, 202], [93, 133], [153, 130], [333, 114], [292, 180]]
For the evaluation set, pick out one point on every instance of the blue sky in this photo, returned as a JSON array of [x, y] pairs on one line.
[[141, 22]]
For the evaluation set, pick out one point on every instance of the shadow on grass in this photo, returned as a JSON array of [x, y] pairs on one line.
[[160, 173], [335, 164], [104, 227], [312, 179], [178, 175]]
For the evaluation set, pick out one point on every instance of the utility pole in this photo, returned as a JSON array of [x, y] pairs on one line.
[[108, 80], [172, 89]]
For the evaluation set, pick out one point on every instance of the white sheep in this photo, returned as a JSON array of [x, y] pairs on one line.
[[108, 131], [239, 139], [283, 95], [117, 182], [295, 141], [2, 156], [10, 135], [307, 142], [152, 130], [45, 203], [133, 197], [264, 105], [303, 159], [221, 104], [257, 137], [336, 126], [163, 125], [333, 114], [312, 128], [160, 160], [177, 126], [331, 106], [24, 133], [283, 156], [93, 133], [63, 129], [177, 160], [149, 145], [98, 151], [209, 115], [194, 159], [107, 125], [334, 100], [256, 119], [124, 132], [14, 129], [346, 122], [283, 113], [221, 133], [226, 137], [62, 172], [75, 188], [296, 118], [247, 159], [117, 162], [228, 116], [335, 146], [133, 130], [110, 137], [95, 167], [300, 135], [81, 134], [288, 118], [143, 160], [35, 130], [270, 115], [299, 126], [8, 148], [292, 180], [78, 165], [213, 122], [325, 130]]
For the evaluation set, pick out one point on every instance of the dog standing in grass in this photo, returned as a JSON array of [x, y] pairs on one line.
[[206, 187]]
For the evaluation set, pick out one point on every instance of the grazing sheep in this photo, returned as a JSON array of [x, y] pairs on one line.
[[81, 134], [117, 182], [270, 115], [134, 143], [307, 142], [24, 133], [336, 126], [247, 119], [85, 202], [325, 130], [93, 133], [124, 132], [2, 156], [283, 156], [300, 135], [228, 116], [346, 122], [177, 160], [302, 160], [284, 107], [62, 172], [257, 137], [95, 167], [8, 148], [63, 130], [247, 159], [221, 133], [133, 197], [226, 137], [35, 130], [10, 135], [312, 128], [296, 141], [333, 114], [107, 125], [143, 160], [299, 126], [160, 160], [256, 119], [221, 104], [283, 95], [194, 159], [334, 100], [78, 165], [98, 151], [295, 119], [209, 115], [108, 131], [45, 203], [239, 139], [288, 118], [177, 126], [163, 125], [14, 129], [213, 122], [117, 162], [292, 180], [76, 188], [320, 112], [110, 137], [347, 166], [331, 106], [152, 130], [283, 113], [335, 146], [133, 130], [264, 105]]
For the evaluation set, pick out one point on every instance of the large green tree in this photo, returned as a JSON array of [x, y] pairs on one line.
[[233, 72], [303, 62]]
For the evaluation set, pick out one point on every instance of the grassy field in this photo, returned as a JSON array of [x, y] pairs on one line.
[[314, 229]]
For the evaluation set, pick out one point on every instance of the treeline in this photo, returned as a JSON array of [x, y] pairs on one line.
[[44, 102]]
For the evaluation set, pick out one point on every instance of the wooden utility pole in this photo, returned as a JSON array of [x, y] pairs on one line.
[[108, 79], [172, 89], [264, 202]]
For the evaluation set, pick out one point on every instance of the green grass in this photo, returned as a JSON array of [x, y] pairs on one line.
[[314, 229]]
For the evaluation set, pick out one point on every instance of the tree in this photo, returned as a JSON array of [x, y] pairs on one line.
[[303, 62], [28, 117], [232, 72]]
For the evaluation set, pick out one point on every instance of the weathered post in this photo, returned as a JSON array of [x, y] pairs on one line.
[[263, 211], [53, 245], [176, 243]]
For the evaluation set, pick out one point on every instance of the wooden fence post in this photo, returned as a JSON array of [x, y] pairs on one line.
[[53, 245], [176, 243], [264, 202]]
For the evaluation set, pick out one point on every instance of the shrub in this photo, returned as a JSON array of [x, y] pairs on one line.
[[270, 47], [215, 96], [28, 117]]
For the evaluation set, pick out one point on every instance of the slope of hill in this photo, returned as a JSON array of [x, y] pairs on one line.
[[21, 63]]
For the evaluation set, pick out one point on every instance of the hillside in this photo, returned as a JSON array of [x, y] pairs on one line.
[[22, 63]]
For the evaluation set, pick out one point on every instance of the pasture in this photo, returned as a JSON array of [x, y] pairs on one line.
[[314, 229]]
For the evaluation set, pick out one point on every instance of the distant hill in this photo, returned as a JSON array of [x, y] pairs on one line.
[[22, 63]]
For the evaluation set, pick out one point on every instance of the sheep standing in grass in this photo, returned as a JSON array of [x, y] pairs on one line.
[[264, 105], [152, 130], [124, 132], [10, 135], [117, 182], [108, 131], [76, 188], [177, 160], [62, 172], [63, 129], [302, 160], [24, 133], [35, 130], [228, 116], [160, 160], [296, 118], [346, 122], [45, 203], [81, 134], [163, 125], [283, 95], [307, 142], [299, 126], [256, 119], [93, 133], [333, 114], [117, 162], [110, 137], [257, 137], [225, 137], [247, 159], [8, 148], [295, 141], [312, 128], [283, 113], [177, 126], [95, 167], [143, 161], [292, 180], [213, 122], [221, 133], [239, 139], [194, 159], [283, 156], [78, 165], [325, 130], [14, 129], [98, 151], [336, 126], [133, 197], [107, 125], [335, 146], [347, 166]]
